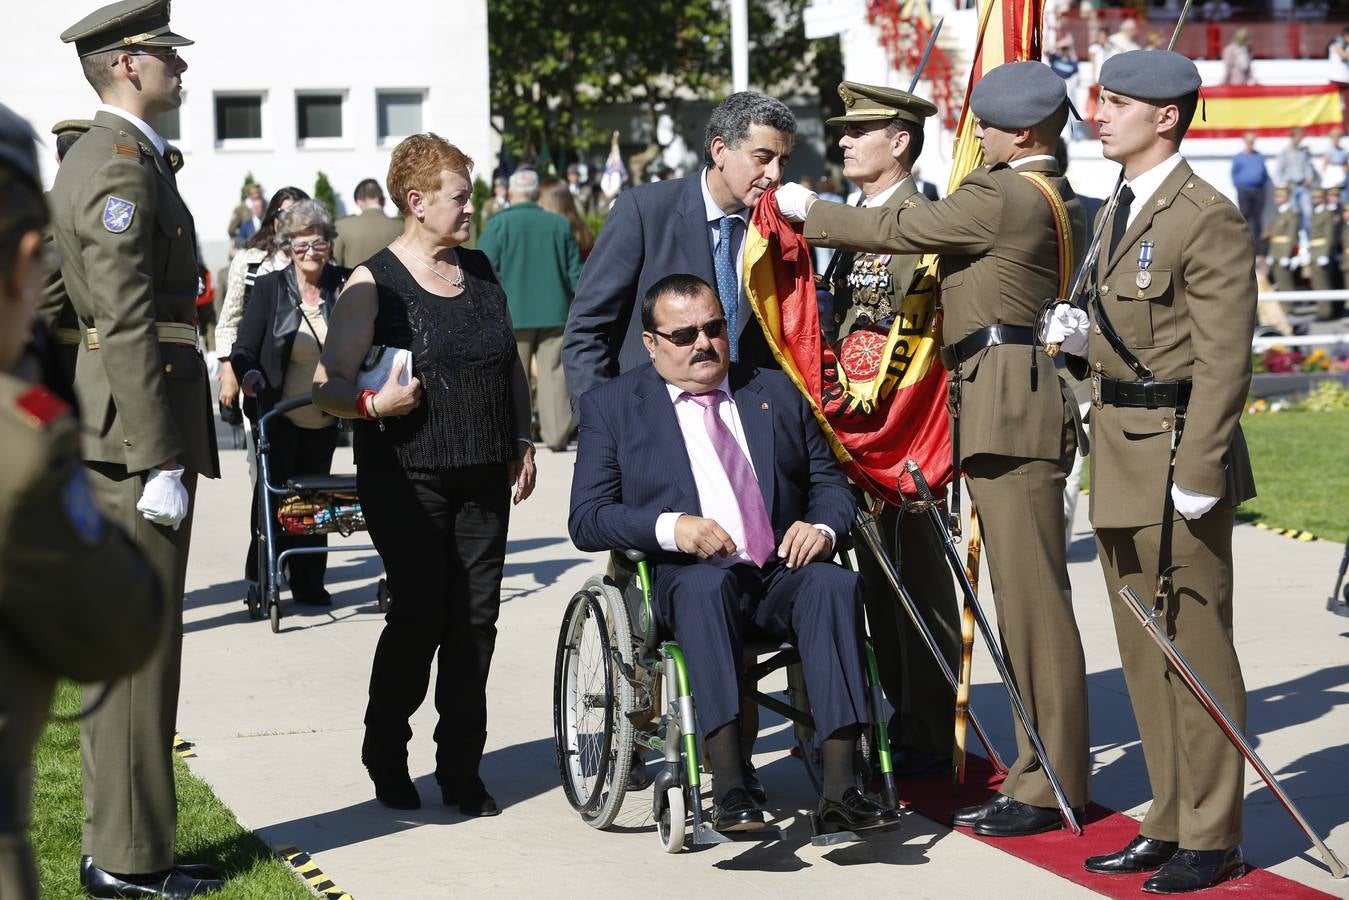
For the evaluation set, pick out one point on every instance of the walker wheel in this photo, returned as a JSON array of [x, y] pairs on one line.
[[274, 613], [382, 595]]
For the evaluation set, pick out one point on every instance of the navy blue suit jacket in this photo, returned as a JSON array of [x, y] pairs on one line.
[[653, 230], [631, 463]]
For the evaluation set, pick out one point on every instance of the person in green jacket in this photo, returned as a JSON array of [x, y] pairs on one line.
[[538, 264]]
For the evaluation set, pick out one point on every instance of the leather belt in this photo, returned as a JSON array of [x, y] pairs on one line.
[[953, 355], [1107, 391], [169, 333], [68, 336]]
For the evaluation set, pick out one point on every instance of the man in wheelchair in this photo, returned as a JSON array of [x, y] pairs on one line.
[[722, 477]]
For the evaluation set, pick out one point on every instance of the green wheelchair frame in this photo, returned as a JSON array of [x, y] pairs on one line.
[[603, 709]]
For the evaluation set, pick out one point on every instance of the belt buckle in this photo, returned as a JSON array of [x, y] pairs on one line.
[[1096, 390]]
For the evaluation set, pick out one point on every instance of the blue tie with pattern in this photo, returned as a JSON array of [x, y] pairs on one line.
[[728, 286]]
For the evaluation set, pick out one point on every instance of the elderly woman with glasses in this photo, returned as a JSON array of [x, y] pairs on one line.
[[436, 458], [274, 357]]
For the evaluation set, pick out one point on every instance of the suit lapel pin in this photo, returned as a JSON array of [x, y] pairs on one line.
[[763, 406]]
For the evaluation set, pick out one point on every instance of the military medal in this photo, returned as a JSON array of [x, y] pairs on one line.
[[1144, 277]]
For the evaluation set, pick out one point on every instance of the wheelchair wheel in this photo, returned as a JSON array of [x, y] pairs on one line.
[[592, 696], [382, 595], [670, 822], [254, 601]]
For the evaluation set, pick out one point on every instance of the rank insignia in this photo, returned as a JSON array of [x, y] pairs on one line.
[[117, 214], [77, 500]]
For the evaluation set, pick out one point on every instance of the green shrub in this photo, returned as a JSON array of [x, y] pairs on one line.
[[1328, 396]]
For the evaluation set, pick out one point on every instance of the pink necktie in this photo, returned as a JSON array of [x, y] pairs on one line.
[[758, 530]]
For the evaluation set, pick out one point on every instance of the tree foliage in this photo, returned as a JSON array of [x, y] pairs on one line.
[[555, 64]]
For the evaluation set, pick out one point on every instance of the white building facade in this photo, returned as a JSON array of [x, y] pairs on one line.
[[283, 91]]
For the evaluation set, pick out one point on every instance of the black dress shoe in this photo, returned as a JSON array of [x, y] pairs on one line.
[[322, 598], [754, 785], [639, 779], [968, 816], [1142, 854], [394, 788], [917, 763], [191, 870], [737, 811], [172, 884], [1194, 870], [855, 812], [470, 794], [1017, 819]]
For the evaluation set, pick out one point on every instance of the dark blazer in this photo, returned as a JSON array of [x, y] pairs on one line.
[[268, 330], [652, 231], [631, 464]]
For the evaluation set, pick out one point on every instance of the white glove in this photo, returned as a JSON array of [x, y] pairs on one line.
[[164, 500], [1323, 260], [1189, 504], [1067, 326], [792, 200], [1284, 261]]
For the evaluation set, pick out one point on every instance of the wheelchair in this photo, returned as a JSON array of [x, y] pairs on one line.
[[608, 657], [304, 505]]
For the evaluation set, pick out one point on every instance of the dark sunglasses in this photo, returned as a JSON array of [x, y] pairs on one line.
[[682, 337]]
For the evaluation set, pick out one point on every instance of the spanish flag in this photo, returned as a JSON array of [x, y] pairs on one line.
[[1268, 110], [880, 397]]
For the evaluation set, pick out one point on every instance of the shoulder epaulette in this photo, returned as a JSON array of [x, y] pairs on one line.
[[126, 150], [1200, 192], [40, 407]]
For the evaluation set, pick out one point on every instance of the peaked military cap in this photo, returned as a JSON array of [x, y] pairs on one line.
[[1018, 95], [18, 149], [72, 126], [1150, 74], [124, 24], [870, 103]]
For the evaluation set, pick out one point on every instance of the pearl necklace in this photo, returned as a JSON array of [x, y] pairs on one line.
[[457, 281]]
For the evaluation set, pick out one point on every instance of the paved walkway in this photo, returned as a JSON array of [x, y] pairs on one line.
[[277, 724]]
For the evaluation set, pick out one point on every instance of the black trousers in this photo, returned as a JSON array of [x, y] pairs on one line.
[[443, 543], [294, 451], [818, 607]]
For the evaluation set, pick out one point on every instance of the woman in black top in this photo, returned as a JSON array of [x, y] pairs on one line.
[[436, 458], [274, 357]]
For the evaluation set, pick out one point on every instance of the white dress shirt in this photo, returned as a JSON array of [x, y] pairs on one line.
[[1145, 185], [1018, 163], [879, 199], [715, 496], [138, 122]]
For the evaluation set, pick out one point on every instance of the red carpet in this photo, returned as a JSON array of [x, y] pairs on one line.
[[1104, 831]]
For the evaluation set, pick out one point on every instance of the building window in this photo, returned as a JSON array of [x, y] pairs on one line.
[[318, 116], [170, 126], [238, 117], [399, 114]]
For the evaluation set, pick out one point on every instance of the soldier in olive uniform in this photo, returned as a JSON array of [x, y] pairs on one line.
[[1282, 235], [55, 311], [75, 593], [1169, 353], [361, 236], [129, 263], [1323, 241], [883, 136], [998, 237]]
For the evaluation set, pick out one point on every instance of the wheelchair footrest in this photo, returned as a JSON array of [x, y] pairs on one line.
[[825, 836], [706, 834]]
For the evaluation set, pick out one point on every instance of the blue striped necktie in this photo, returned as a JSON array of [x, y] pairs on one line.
[[728, 286]]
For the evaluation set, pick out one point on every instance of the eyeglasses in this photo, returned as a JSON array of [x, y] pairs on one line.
[[302, 249], [168, 54], [682, 337]]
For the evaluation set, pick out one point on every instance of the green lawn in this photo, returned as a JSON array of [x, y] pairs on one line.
[[207, 830], [1301, 463]]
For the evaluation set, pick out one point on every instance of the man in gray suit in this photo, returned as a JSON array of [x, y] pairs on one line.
[[694, 225]]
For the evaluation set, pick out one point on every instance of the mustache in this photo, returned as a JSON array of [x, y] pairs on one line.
[[708, 355]]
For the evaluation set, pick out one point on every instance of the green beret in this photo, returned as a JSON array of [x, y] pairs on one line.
[[869, 103], [1018, 95], [124, 24], [1150, 75]]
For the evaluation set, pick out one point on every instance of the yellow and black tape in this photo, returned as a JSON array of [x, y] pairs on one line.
[[309, 870], [1296, 534], [183, 747]]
